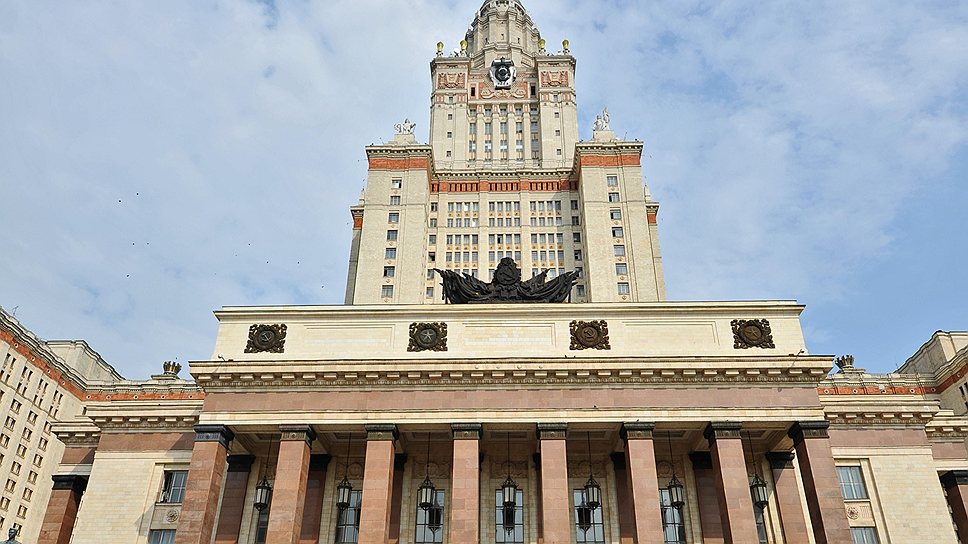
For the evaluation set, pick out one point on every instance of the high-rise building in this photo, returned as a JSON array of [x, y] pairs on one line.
[[624, 419], [505, 175]]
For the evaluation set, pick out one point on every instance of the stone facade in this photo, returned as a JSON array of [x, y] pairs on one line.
[[329, 414]]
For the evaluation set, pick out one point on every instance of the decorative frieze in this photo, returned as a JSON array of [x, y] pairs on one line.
[[752, 333], [804, 430], [266, 338], [428, 337], [637, 430], [292, 433], [466, 431], [722, 430], [589, 335], [552, 431], [381, 431], [214, 433]]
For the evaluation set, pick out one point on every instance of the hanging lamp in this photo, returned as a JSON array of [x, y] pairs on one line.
[[344, 489], [509, 490], [263, 491], [426, 493], [677, 491], [758, 489], [593, 491]]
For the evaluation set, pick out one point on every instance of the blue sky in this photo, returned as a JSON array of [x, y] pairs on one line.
[[161, 159]]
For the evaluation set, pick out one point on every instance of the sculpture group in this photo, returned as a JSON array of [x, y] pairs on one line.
[[506, 287]]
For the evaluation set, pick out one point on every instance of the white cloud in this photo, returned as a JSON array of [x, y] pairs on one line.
[[783, 140]]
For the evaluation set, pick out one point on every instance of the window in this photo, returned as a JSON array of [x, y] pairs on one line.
[[577, 254], [392, 235], [432, 256], [617, 232], [396, 183], [393, 217], [386, 291], [622, 269], [615, 214], [590, 530], [613, 197], [162, 536], [395, 200], [673, 528], [863, 535], [450, 134], [348, 522], [433, 206], [761, 533], [579, 290], [612, 181], [516, 525], [576, 237], [619, 251], [851, 483], [623, 288], [389, 271], [15, 406], [423, 534], [430, 292], [575, 221], [391, 253]]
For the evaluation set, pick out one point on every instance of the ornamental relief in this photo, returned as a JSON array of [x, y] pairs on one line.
[[664, 469], [499, 470], [433, 469], [266, 338], [752, 333], [579, 469], [589, 335], [451, 81], [428, 337], [554, 79]]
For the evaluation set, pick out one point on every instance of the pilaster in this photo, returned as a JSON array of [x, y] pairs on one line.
[[820, 483], [465, 500], [555, 506], [206, 474], [292, 475], [787, 497], [377, 484], [732, 482], [640, 460]]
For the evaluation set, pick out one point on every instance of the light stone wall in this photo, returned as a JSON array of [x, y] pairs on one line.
[[359, 333], [119, 505], [907, 499]]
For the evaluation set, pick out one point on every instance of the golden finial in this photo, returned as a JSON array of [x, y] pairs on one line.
[[564, 45], [440, 49], [541, 44]]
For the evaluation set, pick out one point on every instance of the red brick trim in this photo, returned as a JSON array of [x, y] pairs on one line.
[[630, 159], [406, 163]]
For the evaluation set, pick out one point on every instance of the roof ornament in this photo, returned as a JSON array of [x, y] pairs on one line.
[[506, 287], [845, 362], [602, 121], [406, 127], [171, 368]]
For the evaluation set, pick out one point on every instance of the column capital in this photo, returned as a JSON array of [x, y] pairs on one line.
[[214, 433], [381, 431], [954, 478], [399, 461], [240, 463], [803, 430], [466, 431], [618, 459], [552, 431], [319, 461], [722, 429], [701, 460], [293, 433], [780, 460], [637, 430], [73, 482]]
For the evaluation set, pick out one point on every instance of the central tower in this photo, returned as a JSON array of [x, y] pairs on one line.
[[505, 175]]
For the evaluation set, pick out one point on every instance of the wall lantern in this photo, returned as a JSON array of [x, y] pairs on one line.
[[344, 489], [677, 491], [426, 493], [758, 489], [593, 491]]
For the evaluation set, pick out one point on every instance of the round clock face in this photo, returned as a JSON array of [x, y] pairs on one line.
[[265, 338], [427, 337], [503, 73]]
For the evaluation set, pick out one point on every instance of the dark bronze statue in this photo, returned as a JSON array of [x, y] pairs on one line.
[[506, 286], [11, 536]]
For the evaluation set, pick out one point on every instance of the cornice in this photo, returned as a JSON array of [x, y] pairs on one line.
[[314, 375], [946, 428], [77, 434], [147, 416], [911, 411]]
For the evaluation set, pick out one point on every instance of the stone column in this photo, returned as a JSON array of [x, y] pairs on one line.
[[289, 491], [820, 483], [465, 502], [640, 459], [555, 505], [396, 500], [623, 493], [205, 475], [313, 508], [62, 509], [233, 499], [732, 482], [955, 483], [377, 484], [710, 520], [787, 497]]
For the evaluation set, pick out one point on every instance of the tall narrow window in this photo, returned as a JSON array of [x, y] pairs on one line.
[[173, 490], [261, 526], [161, 536], [673, 528], [851, 483], [430, 523], [863, 535], [509, 530], [761, 532], [589, 527], [348, 521]]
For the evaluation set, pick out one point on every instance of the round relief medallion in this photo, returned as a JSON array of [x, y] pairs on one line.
[[427, 337], [752, 333], [853, 512], [265, 338], [171, 516], [589, 335]]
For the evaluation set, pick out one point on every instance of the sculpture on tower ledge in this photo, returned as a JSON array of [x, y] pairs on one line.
[[506, 287], [602, 121], [10, 537], [406, 127]]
